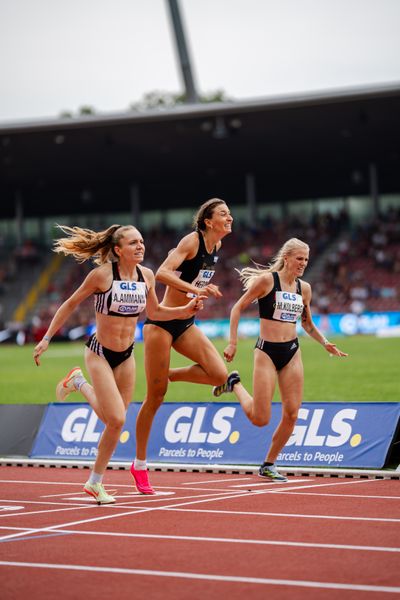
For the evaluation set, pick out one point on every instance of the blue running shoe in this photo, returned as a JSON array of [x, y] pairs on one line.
[[227, 387], [270, 472]]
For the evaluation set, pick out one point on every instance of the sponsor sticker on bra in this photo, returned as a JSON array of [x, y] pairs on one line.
[[128, 297], [288, 307]]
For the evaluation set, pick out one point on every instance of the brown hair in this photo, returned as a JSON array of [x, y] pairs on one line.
[[205, 212], [84, 244]]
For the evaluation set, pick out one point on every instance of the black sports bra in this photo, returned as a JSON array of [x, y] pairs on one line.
[[123, 298], [201, 268], [285, 307]]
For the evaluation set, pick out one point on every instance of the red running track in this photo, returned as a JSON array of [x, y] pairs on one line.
[[203, 536]]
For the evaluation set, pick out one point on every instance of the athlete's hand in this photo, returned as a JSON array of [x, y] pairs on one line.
[[39, 349], [229, 352], [211, 290], [334, 350], [195, 304]]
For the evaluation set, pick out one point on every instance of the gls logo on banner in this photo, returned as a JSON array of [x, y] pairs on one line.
[[77, 427], [185, 424], [309, 435]]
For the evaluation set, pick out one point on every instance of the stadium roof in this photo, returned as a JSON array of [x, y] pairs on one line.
[[305, 146]]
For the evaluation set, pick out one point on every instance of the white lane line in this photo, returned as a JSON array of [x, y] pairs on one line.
[[53, 510], [25, 529], [197, 488], [192, 538], [256, 542], [115, 515], [333, 495], [58, 483], [284, 515], [216, 480], [272, 484], [208, 577], [321, 485], [126, 494], [147, 499], [65, 507], [80, 522], [130, 495]]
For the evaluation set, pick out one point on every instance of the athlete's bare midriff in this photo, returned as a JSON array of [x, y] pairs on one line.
[[115, 333], [276, 331]]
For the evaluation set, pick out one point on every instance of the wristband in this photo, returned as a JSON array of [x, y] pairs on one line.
[[326, 342], [47, 338]]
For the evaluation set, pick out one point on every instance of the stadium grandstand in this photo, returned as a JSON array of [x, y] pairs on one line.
[[323, 167]]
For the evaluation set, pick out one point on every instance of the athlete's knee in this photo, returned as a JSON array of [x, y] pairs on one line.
[[290, 415], [153, 402], [219, 376], [116, 421], [260, 420]]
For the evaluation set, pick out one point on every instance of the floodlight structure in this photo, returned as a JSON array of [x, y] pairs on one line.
[[191, 95]]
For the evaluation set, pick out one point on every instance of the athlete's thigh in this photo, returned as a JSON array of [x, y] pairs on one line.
[[104, 385], [290, 380], [125, 377], [195, 345], [157, 356], [264, 382]]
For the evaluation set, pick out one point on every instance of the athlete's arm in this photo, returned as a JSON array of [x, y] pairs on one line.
[[157, 312], [94, 282], [258, 289], [310, 327], [186, 250]]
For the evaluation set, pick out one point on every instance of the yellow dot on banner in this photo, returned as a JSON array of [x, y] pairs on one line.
[[355, 440], [124, 437], [233, 438]]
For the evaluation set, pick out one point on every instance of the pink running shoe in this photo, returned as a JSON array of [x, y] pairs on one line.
[[142, 482]]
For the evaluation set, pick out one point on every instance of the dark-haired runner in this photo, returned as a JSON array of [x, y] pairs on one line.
[[186, 271]]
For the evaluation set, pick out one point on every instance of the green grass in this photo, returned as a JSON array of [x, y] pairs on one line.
[[369, 374]]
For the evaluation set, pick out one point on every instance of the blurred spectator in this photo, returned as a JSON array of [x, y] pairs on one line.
[[27, 253], [357, 307], [360, 265]]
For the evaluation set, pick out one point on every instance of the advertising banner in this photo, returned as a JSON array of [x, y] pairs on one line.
[[326, 434], [339, 324], [71, 431]]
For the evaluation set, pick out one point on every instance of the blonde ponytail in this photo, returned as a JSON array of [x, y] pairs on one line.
[[84, 244]]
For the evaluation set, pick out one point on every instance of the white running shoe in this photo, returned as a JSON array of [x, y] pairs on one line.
[[99, 493], [66, 385]]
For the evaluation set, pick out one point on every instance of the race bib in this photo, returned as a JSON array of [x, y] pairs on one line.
[[128, 297], [203, 278], [288, 307]]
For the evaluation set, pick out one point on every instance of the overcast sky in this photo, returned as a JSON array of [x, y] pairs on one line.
[[58, 55]]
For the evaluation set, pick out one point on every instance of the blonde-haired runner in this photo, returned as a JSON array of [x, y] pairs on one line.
[[121, 291], [282, 299]]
